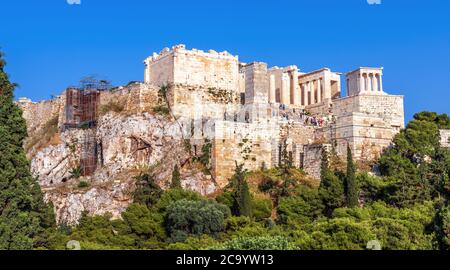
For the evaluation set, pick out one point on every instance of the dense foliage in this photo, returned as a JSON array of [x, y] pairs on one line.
[[24, 218], [402, 204]]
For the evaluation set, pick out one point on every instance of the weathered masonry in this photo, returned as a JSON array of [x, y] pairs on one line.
[[252, 109]]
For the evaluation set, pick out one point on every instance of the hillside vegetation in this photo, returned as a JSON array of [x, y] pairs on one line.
[[403, 206]]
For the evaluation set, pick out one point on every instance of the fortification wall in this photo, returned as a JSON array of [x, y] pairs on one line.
[[198, 102], [297, 135], [312, 160], [38, 114], [206, 69], [368, 123], [161, 70], [250, 144], [193, 67]]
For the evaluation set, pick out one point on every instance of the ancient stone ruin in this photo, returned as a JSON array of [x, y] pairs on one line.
[[207, 107]]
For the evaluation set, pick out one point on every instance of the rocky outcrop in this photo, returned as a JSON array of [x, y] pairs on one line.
[[128, 145]]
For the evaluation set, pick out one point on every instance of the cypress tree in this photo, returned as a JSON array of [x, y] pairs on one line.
[[241, 194], [23, 214], [176, 178], [331, 188], [351, 187], [324, 165], [285, 170]]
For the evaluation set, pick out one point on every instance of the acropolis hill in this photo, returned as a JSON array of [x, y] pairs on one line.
[[195, 105]]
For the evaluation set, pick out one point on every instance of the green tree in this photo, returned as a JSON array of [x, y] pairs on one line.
[[258, 243], [285, 170], [351, 185], [417, 162], [144, 225], [241, 194], [174, 195], [185, 218], [303, 207], [147, 192], [176, 178], [331, 187], [24, 217]]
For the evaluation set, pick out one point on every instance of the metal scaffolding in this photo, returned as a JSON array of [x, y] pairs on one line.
[[82, 103], [81, 112]]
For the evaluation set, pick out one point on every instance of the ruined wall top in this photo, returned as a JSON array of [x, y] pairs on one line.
[[181, 48]]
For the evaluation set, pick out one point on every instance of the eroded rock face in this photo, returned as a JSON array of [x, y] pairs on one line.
[[100, 200], [128, 146]]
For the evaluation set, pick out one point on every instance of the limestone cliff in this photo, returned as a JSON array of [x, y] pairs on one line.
[[130, 142]]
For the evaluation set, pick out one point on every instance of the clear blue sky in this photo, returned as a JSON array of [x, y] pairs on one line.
[[50, 44]]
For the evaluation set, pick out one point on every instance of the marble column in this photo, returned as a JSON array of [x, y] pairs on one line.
[[375, 82], [380, 83], [272, 89], [319, 92], [303, 90], [366, 83], [285, 89], [295, 88], [307, 97], [361, 82], [310, 93]]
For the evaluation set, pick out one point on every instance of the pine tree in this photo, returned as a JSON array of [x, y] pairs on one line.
[[351, 185], [176, 178], [241, 194], [24, 217]]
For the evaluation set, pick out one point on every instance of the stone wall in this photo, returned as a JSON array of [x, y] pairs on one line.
[[368, 123], [197, 102], [193, 67], [37, 114], [250, 144], [312, 158], [297, 136], [445, 137], [256, 83]]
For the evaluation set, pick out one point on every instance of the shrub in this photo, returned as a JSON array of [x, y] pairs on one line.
[[44, 136], [186, 217], [145, 224], [304, 207], [161, 110], [112, 106], [76, 172], [261, 209], [174, 195], [83, 184], [258, 243]]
